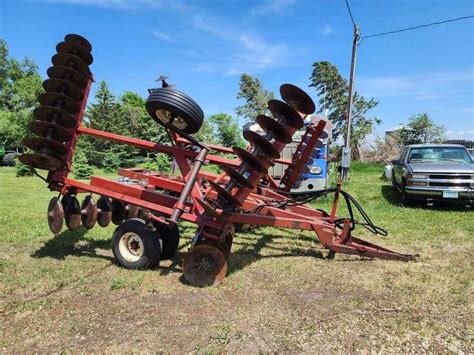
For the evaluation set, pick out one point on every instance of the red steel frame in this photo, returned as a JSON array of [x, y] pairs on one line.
[[259, 207]]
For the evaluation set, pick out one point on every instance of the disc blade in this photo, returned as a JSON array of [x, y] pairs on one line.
[[104, 216], [76, 49], [226, 195], [69, 74], [239, 178], [250, 159], [132, 211], [297, 98], [39, 143], [72, 213], [271, 125], [60, 101], [55, 215], [71, 61], [88, 212], [64, 87], [210, 211], [205, 266], [118, 212], [281, 110], [55, 115], [71, 37], [41, 161], [260, 142], [57, 132]]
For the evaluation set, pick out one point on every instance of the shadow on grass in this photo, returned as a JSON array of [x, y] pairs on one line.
[[65, 244], [393, 197], [75, 243], [250, 252]]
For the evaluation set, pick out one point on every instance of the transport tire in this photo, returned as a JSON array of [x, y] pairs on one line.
[[134, 246], [169, 106], [169, 235], [9, 159]]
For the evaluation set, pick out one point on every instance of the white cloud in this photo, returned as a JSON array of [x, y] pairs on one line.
[[420, 87], [326, 30], [249, 51], [161, 35], [272, 7]]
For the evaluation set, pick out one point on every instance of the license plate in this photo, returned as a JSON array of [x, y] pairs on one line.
[[450, 194]]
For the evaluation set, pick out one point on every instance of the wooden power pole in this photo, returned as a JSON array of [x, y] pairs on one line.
[[346, 150]]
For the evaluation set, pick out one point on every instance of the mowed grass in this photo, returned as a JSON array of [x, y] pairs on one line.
[[65, 292]]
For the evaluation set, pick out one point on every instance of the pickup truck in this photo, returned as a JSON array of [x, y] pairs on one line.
[[434, 172]]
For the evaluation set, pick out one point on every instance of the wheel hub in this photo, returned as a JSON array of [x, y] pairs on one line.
[[131, 247], [166, 117]]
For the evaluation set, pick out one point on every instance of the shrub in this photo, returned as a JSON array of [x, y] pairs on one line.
[[111, 162], [81, 167], [22, 169], [160, 162]]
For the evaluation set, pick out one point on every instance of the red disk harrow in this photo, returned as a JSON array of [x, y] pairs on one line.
[[147, 205]]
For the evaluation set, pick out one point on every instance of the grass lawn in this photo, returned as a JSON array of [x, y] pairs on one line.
[[65, 292]]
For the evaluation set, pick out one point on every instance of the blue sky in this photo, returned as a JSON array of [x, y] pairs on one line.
[[205, 45]]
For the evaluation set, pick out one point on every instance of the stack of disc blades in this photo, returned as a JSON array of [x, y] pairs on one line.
[[61, 102], [286, 114]]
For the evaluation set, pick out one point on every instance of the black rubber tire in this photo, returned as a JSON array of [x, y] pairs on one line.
[[150, 241], [178, 104], [170, 236], [9, 159], [406, 201]]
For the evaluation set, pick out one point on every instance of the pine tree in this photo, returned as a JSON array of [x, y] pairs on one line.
[[256, 97]]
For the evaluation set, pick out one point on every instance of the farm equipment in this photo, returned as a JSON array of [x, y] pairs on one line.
[[8, 156], [147, 205]]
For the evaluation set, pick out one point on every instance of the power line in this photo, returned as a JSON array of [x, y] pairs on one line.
[[416, 27], [350, 13]]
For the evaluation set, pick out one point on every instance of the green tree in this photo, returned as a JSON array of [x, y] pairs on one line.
[[81, 167], [420, 129], [20, 85], [227, 130], [206, 133], [256, 97], [333, 91]]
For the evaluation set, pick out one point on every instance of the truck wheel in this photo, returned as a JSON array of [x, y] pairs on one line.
[[406, 200], [134, 246], [9, 159]]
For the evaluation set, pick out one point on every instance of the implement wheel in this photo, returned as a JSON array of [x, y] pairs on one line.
[[172, 108], [169, 235], [134, 246], [205, 266]]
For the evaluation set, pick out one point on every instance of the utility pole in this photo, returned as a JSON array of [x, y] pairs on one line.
[[346, 151]]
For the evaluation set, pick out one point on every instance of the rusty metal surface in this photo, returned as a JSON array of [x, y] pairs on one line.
[[280, 109], [297, 98], [260, 142], [226, 195], [42, 161], [104, 215], [88, 212], [72, 213], [271, 125], [54, 115], [56, 132], [75, 48], [72, 61], [204, 266], [55, 215], [250, 160], [239, 178]]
